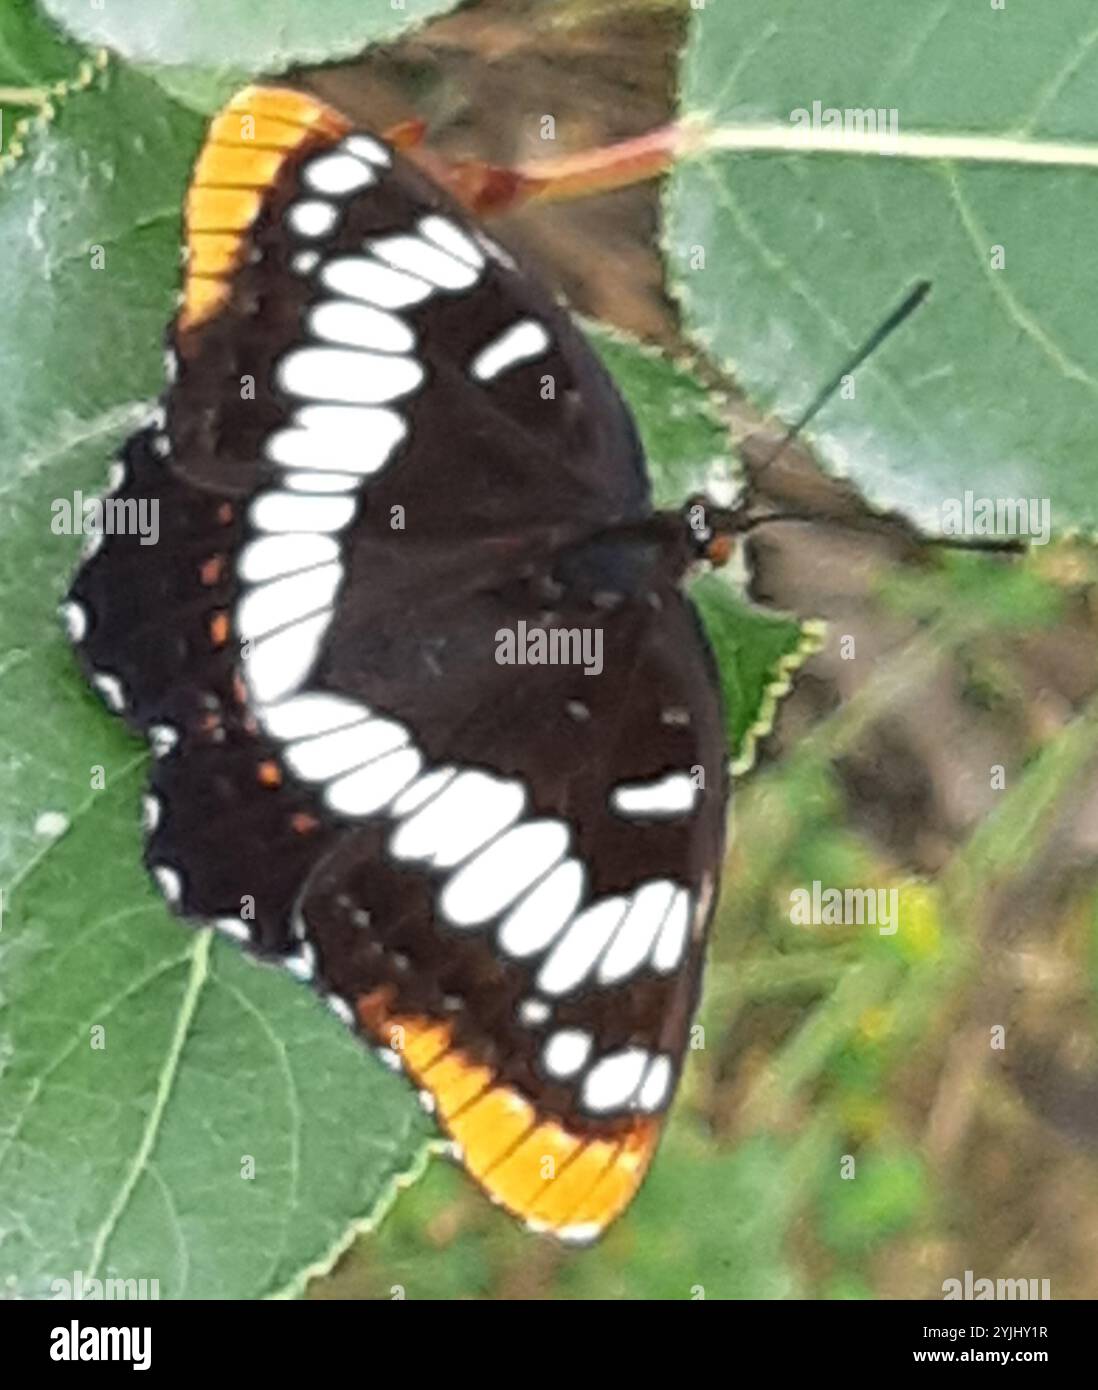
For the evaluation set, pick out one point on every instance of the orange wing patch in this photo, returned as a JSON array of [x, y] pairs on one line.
[[554, 1179], [246, 146]]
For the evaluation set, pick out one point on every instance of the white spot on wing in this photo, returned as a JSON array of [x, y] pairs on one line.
[[170, 881], [429, 262], [338, 438], [421, 791], [360, 325], [341, 1009], [302, 716], [671, 943], [366, 147], [572, 957], [369, 790], [162, 739], [519, 343], [319, 482], [233, 927], [582, 1233], [269, 557], [351, 377], [279, 664], [656, 1086], [499, 874], [75, 617], [612, 1082], [312, 217], [330, 755], [636, 936], [302, 963], [283, 511], [449, 236], [281, 601], [544, 912], [673, 795], [111, 689], [338, 174], [388, 1058], [566, 1052], [364, 278], [495, 250], [534, 1011], [472, 810]]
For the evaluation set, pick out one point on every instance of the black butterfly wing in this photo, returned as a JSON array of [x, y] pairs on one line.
[[385, 450], [398, 272], [529, 936], [152, 628]]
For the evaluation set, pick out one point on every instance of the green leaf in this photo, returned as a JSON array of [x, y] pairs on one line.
[[256, 38], [79, 352], [221, 1132], [757, 654], [205, 90], [31, 53], [992, 385], [685, 440], [34, 62]]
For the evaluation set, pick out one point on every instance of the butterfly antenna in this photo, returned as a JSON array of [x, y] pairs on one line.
[[884, 330], [726, 522]]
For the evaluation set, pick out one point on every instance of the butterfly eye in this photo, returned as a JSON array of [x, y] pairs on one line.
[[719, 550]]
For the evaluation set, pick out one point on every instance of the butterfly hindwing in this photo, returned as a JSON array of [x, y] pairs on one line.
[[148, 610], [516, 938]]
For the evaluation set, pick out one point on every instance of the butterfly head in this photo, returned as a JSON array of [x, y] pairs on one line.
[[712, 529]]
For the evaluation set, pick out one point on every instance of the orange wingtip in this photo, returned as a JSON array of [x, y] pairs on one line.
[[246, 145], [559, 1182]]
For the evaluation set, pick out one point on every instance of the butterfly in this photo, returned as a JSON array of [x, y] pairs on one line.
[[390, 472]]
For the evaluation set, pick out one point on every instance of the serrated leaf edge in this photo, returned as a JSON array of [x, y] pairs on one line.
[[86, 74], [365, 1225], [813, 635]]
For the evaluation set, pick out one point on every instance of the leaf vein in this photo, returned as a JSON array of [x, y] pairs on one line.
[[1010, 305], [296, 1115], [200, 969]]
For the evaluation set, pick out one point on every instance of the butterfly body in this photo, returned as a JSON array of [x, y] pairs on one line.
[[386, 457]]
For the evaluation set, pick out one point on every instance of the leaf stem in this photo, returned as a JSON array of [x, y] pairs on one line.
[[697, 138]]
